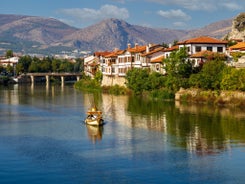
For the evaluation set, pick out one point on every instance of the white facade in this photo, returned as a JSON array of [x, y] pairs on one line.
[[194, 48], [9, 61]]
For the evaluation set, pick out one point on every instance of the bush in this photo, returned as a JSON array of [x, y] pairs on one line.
[[233, 79], [88, 85], [162, 94]]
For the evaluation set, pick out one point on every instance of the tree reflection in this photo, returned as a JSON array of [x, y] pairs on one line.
[[198, 128]]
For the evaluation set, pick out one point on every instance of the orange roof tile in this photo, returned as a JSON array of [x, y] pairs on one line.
[[203, 39], [157, 60], [137, 49], [238, 46], [153, 51], [114, 53], [175, 47]]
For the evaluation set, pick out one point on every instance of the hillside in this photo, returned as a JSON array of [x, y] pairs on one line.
[[29, 34], [114, 33]]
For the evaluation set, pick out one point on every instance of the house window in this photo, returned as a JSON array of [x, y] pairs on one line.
[[188, 49], [157, 67], [198, 48], [210, 48], [220, 49], [113, 70]]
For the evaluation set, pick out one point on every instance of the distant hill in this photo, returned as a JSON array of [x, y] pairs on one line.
[[29, 34]]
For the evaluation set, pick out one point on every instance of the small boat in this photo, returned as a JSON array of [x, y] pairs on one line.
[[94, 117]]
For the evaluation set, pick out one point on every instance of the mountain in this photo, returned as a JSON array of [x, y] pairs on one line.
[[30, 34], [114, 33], [217, 30]]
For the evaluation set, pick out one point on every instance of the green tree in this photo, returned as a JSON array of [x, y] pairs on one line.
[[137, 80], [233, 79], [23, 64], [210, 76], [10, 69], [79, 65], [45, 65], [66, 66], [33, 67], [178, 68], [9, 54], [98, 76], [155, 81], [55, 65]]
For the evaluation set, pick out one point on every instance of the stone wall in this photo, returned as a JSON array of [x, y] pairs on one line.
[[233, 98], [113, 80]]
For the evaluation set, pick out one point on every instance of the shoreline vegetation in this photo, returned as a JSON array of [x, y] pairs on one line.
[[213, 82], [192, 95]]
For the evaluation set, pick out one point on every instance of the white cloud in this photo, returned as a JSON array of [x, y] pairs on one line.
[[190, 4], [174, 14], [179, 24], [231, 6], [87, 14]]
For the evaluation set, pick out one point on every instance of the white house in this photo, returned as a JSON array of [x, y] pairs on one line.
[[9, 61], [201, 46]]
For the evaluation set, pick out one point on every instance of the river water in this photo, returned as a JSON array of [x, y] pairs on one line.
[[43, 139]]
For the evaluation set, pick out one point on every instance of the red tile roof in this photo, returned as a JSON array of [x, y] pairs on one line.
[[203, 39], [238, 46], [175, 47], [157, 60], [137, 49], [114, 53], [153, 51]]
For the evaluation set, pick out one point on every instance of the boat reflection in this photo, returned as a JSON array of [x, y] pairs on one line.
[[95, 133]]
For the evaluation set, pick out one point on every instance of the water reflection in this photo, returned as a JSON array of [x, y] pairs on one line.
[[95, 133], [200, 129]]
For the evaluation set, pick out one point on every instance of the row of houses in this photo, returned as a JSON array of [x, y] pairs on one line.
[[116, 63]]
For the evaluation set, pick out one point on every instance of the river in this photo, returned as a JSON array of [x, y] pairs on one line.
[[43, 139]]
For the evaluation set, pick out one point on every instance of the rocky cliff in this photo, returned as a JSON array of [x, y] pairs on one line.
[[238, 27]]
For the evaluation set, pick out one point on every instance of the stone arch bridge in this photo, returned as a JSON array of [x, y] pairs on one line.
[[48, 75]]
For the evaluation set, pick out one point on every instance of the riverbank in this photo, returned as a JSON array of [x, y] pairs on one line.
[[221, 98]]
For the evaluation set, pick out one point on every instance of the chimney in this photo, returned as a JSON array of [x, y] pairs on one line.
[[136, 45], [129, 45], [148, 48]]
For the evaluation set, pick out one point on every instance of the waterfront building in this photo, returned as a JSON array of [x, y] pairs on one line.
[[115, 64], [200, 48]]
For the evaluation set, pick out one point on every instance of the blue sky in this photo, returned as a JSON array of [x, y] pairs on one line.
[[174, 14]]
